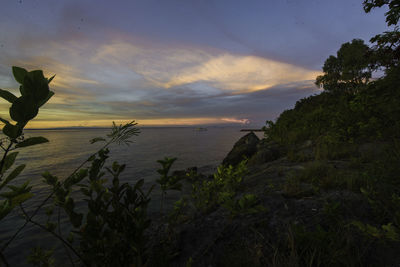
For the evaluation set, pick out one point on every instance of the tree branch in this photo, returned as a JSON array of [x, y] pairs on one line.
[[54, 234]]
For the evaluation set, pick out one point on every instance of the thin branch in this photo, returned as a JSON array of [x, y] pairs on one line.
[[4, 157], [54, 234], [47, 199], [26, 222]]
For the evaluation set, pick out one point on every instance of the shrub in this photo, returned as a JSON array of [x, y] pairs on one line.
[[222, 188]]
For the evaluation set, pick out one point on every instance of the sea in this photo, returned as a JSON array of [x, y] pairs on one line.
[[68, 148]]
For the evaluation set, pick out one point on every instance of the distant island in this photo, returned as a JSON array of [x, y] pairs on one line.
[[251, 130]]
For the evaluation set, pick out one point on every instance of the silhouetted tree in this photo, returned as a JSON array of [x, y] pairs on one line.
[[348, 70], [387, 44], [392, 15]]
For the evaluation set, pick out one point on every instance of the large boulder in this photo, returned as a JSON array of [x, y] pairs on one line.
[[244, 148]]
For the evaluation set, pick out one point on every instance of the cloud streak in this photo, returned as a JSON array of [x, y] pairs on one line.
[[150, 82], [175, 62]]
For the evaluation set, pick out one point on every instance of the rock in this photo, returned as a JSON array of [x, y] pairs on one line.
[[266, 152], [245, 147]]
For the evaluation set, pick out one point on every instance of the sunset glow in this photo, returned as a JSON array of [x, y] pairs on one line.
[[192, 64]]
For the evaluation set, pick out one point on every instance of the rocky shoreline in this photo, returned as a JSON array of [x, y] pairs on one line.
[[297, 215]]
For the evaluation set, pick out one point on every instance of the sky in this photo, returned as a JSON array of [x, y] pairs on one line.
[[175, 62]]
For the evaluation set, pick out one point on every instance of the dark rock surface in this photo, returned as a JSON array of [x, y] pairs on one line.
[[245, 147]]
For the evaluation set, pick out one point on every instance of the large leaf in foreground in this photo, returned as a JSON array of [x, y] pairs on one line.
[[32, 141]]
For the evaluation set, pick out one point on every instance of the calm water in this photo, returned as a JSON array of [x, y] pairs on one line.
[[68, 148]]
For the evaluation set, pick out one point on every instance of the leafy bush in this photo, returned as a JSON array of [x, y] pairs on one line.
[[222, 188], [111, 231]]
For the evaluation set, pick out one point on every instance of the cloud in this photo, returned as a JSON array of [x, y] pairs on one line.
[[241, 73], [126, 78], [233, 120], [176, 66]]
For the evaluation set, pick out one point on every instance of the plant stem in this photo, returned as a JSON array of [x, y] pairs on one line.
[[4, 157], [26, 222], [47, 198], [54, 234]]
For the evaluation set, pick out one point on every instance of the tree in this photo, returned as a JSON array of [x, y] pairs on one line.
[[348, 70], [392, 15], [387, 45]]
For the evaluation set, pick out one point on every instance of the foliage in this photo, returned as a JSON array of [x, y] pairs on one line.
[[326, 246], [336, 118], [111, 231], [387, 44], [386, 49], [348, 70], [112, 227], [336, 121], [247, 204], [387, 231], [392, 15], [177, 215], [35, 93], [167, 182], [222, 188]]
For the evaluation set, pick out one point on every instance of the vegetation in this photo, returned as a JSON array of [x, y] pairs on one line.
[[221, 190], [35, 93], [349, 70], [112, 227], [353, 112], [111, 230], [167, 182]]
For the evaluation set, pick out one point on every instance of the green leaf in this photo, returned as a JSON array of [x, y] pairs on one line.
[[5, 208], [80, 176], [13, 175], [23, 109], [32, 141], [139, 184], [19, 74], [97, 139], [391, 232], [42, 102], [7, 96], [12, 131], [49, 179], [76, 219], [9, 161], [36, 85], [51, 78], [21, 198]]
